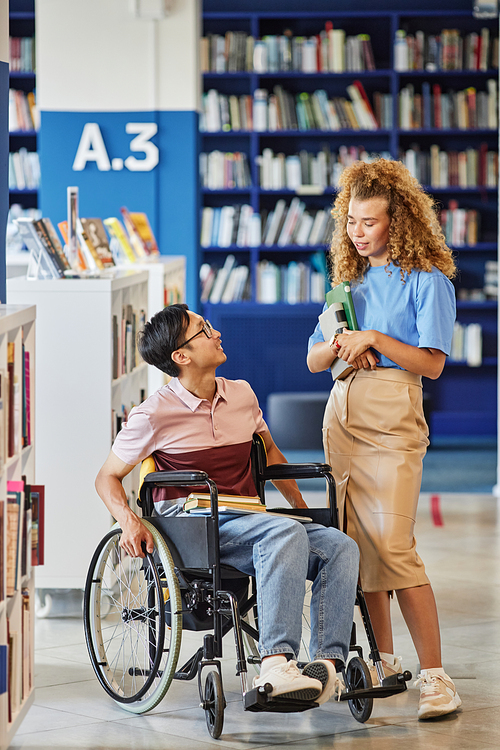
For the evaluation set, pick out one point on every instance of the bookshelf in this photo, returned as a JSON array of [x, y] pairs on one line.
[[166, 286], [17, 327], [80, 405], [276, 334], [22, 78], [24, 177]]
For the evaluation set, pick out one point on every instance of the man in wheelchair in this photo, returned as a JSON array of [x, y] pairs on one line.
[[203, 422]]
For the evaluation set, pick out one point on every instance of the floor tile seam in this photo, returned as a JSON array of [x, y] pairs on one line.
[[37, 732], [296, 743], [427, 727], [220, 742], [63, 659], [41, 649], [491, 651], [476, 624], [60, 684]]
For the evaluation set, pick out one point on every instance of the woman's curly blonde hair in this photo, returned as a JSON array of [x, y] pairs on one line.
[[416, 240]]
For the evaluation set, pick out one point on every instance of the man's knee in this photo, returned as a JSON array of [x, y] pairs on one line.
[[290, 536], [339, 548]]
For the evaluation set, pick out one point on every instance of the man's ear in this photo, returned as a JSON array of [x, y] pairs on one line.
[[180, 358]]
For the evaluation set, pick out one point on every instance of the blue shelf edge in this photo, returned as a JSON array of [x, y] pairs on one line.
[[23, 133]]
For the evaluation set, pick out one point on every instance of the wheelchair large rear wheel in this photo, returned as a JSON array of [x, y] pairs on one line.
[[133, 650]]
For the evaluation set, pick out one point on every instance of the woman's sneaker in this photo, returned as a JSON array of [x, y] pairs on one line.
[[324, 671], [288, 682], [438, 695], [389, 669]]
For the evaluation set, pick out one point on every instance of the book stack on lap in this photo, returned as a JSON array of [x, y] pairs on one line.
[[199, 503]]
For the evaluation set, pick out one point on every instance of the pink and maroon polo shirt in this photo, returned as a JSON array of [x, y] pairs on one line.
[[182, 431]]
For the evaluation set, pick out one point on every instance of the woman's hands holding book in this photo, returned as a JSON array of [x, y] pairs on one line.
[[354, 347]]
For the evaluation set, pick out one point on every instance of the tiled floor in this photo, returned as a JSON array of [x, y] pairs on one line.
[[462, 556]]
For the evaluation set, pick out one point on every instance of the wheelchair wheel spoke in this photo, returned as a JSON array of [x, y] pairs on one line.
[[132, 651]]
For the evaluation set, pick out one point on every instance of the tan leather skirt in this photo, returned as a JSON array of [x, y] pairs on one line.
[[375, 438]]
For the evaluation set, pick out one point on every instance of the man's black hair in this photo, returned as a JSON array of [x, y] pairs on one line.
[[160, 336]]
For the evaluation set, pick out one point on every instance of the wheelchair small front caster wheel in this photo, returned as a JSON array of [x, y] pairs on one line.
[[358, 678], [214, 704]]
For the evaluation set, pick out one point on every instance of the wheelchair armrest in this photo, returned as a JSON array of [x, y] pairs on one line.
[[176, 478], [295, 471]]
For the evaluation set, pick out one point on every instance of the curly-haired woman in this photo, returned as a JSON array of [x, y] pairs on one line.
[[388, 243]]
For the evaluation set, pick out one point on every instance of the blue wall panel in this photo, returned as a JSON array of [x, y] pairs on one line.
[[167, 192]]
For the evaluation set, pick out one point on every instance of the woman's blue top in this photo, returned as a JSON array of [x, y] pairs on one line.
[[420, 312]]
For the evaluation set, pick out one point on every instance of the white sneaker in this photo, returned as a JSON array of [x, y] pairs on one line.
[[324, 671], [438, 695], [287, 681], [389, 669]]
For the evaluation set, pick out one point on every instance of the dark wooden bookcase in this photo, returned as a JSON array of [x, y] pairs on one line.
[[267, 344]]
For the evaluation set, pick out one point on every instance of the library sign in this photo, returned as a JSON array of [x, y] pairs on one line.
[[92, 148]]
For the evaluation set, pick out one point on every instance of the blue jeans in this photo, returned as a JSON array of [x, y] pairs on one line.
[[282, 554]]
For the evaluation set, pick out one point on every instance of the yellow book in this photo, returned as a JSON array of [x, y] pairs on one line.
[[202, 500], [143, 228], [200, 503], [117, 232]]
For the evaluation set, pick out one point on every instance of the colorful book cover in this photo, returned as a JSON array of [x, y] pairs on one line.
[[117, 232]]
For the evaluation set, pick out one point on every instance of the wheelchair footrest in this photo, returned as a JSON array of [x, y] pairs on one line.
[[255, 700], [390, 686]]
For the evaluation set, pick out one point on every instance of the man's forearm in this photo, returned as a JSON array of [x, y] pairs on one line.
[[111, 492]]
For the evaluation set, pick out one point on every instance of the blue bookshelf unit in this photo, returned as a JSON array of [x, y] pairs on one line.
[[22, 24], [267, 343]]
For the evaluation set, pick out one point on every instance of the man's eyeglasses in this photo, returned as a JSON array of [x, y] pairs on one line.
[[207, 330]]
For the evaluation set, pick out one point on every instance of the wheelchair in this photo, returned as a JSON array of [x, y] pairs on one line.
[[135, 608]]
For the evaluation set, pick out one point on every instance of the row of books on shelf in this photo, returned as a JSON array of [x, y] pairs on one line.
[[224, 170], [286, 224], [282, 110], [433, 108], [460, 225], [22, 514], [467, 344], [22, 54], [293, 283], [124, 331], [120, 416], [321, 169], [329, 51], [436, 168], [229, 283], [24, 170], [472, 168], [16, 658], [23, 112], [92, 250], [15, 405], [489, 290], [449, 50]]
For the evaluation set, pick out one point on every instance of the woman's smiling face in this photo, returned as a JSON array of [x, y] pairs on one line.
[[368, 228]]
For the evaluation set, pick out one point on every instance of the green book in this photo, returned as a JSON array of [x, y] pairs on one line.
[[342, 293]]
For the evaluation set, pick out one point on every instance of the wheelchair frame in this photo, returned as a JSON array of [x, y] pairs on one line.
[[149, 596]]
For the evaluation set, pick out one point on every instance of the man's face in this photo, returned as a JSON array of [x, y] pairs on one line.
[[203, 350]]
